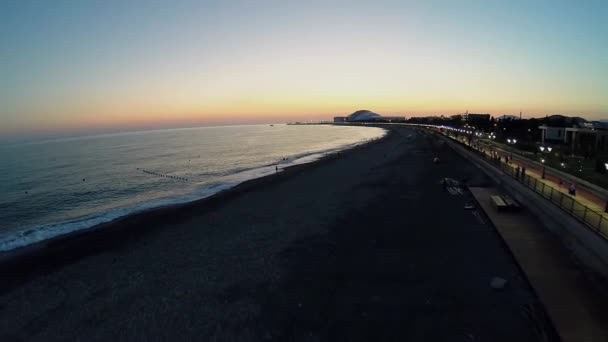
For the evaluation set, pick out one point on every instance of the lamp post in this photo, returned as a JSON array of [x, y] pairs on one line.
[[511, 142], [542, 160], [545, 149]]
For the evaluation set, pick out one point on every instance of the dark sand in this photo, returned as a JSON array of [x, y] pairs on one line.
[[363, 246]]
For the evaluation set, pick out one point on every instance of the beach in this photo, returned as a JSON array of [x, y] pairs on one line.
[[362, 245]]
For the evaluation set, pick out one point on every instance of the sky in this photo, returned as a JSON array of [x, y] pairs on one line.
[[68, 66]]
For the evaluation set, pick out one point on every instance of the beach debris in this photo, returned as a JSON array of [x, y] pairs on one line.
[[498, 283], [452, 186], [164, 175]]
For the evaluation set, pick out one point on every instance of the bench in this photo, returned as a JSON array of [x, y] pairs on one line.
[[504, 203], [498, 203], [511, 203]]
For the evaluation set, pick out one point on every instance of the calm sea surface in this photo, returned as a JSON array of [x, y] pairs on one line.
[[54, 187]]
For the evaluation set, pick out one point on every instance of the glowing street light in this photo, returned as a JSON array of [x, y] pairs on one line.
[[512, 142], [542, 160]]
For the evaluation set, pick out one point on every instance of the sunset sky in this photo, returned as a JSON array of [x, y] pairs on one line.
[[70, 66]]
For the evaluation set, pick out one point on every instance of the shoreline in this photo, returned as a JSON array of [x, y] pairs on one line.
[[41, 232], [339, 248], [23, 260]]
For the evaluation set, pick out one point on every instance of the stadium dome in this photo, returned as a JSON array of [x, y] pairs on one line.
[[363, 115]]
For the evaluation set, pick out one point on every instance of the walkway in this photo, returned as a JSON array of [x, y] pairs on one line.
[[576, 308], [583, 196]]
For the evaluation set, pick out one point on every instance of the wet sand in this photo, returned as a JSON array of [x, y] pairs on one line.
[[364, 245]]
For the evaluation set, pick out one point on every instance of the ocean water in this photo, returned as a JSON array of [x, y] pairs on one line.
[[54, 187]]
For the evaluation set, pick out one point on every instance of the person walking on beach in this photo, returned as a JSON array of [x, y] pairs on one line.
[[276, 169]]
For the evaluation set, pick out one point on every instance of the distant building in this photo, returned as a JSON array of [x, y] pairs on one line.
[[472, 117], [552, 133], [583, 136], [367, 116], [456, 117], [507, 117], [363, 115]]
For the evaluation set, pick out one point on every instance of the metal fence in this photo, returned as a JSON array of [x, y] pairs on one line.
[[592, 218]]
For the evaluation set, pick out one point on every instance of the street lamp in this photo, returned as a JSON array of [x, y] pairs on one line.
[[542, 160], [546, 149], [511, 142]]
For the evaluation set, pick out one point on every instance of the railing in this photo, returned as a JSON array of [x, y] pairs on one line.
[[592, 218]]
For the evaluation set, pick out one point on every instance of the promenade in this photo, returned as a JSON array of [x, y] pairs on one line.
[[583, 195], [585, 205], [577, 307]]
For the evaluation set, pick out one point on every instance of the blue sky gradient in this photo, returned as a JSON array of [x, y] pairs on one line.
[[77, 65]]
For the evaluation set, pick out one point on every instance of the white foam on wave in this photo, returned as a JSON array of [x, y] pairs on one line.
[[48, 231]]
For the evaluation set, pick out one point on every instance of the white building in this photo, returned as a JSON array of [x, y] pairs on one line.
[[552, 133], [573, 134]]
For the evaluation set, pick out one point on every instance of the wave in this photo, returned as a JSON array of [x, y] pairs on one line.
[[226, 181]]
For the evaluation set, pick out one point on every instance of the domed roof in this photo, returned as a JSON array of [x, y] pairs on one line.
[[363, 115]]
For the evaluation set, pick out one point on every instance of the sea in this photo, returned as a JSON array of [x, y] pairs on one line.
[[54, 187]]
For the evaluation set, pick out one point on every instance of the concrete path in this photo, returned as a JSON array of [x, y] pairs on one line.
[[578, 311], [596, 217]]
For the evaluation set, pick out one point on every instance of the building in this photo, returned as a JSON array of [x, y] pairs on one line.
[[507, 117], [557, 134], [472, 117], [363, 115], [367, 116], [456, 117], [582, 136]]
